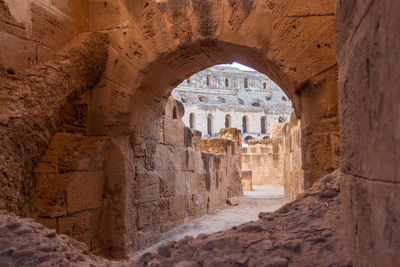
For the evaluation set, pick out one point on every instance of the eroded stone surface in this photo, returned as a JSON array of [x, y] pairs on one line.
[[31, 107]]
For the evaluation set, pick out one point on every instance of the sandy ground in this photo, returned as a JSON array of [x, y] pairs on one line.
[[262, 198]]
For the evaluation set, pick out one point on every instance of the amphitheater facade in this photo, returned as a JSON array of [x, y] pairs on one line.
[[225, 96]]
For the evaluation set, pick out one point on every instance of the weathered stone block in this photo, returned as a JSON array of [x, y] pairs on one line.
[[50, 195], [215, 146], [81, 153], [173, 135], [84, 190], [50, 28], [148, 235], [98, 10], [147, 179], [81, 226], [149, 193]]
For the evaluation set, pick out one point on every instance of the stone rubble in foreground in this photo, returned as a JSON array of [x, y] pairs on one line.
[[308, 231]]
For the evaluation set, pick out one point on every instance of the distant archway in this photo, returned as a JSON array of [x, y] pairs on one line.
[[245, 124], [263, 123], [248, 138], [227, 121]]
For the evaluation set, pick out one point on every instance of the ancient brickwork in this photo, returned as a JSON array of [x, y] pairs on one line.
[[265, 159], [142, 63], [368, 40], [80, 181], [221, 96], [199, 175], [69, 189], [32, 31]]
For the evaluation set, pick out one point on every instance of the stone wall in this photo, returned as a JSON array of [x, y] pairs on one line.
[[80, 180], [133, 65], [246, 180], [196, 176], [277, 161], [368, 41], [32, 31], [293, 174], [265, 159]]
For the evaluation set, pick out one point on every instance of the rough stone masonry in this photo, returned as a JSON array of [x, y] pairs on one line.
[[101, 71]]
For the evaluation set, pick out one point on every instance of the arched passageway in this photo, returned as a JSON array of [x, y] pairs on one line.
[[262, 125], [147, 59], [112, 87], [310, 82]]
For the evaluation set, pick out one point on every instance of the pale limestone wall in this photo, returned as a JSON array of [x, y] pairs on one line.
[[143, 62], [68, 194]]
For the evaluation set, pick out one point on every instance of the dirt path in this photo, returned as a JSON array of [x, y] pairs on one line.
[[262, 198]]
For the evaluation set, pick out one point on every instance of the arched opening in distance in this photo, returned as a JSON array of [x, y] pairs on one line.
[[192, 121], [112, 179], [227, 121], [245, 124], [262, 122]]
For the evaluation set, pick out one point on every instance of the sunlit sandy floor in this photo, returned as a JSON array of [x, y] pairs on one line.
[[262, 198]]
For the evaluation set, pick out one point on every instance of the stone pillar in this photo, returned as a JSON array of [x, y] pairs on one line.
[[320, 129]]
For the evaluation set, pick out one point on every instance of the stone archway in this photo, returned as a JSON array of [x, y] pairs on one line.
[[199, 34], [154, 45]]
